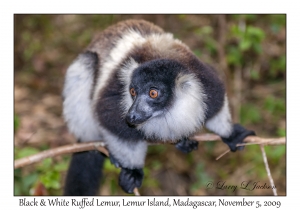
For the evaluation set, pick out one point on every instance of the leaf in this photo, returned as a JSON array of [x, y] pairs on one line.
[[254, 74], [62, 166], [255, 33], [249, 114], [281, 132], [244, 45], [275, 153], [51, 179], [16, 122], [24, 152]]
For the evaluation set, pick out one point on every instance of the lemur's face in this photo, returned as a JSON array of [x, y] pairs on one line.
[[152, 90]]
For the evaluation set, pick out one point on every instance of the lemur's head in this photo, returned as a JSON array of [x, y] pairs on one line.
[[167, 100]]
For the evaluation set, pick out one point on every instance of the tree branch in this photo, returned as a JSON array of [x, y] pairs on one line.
[[80, 147], [67, 149]]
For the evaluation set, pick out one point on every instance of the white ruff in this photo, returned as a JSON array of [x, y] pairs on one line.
[[184, 118], [125, 77], [77, 107], [123, 46], [129, 154], [221, 122], [163, 43]]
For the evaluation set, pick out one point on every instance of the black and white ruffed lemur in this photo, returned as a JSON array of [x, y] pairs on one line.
[[136, 84]]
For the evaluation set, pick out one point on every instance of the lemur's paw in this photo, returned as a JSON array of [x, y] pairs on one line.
[[130, 179], [186, 145], [238, 135]]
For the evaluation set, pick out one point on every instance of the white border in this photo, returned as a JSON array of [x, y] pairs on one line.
[[8, 8]]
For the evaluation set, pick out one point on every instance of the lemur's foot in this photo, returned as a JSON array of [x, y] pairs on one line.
[[238, 135], [186, 145]]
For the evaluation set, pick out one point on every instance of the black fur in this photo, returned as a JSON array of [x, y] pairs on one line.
[[114, 161], [160, 74], [110, 111], [92, 62], [237, 137], [186, 145], [130, 178], [211, 83], [84, 174]]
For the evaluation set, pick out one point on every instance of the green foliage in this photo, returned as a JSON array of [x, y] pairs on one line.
[[22, 183], [111, 176], [50, 173], [25, 151], [16, 122], [109, 167], [281, 132], [206, 33], [276, 22], [254, 74], [275, 106], [156, 149], [234, 56], [248, 39], [278, 66], [149, 181], [250, 113], [245, 17], [156, 165], [51, 179], [202, 178], [47, 172], [209, 146], [253, 155], [275, 153]]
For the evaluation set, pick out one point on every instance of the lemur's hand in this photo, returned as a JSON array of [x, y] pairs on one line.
[[130, 179], [186, 145], [238, 135]]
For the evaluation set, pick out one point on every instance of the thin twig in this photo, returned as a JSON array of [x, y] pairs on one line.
[[268, 169], [248, 139], [136, 191], [224, 153], [80, 147]]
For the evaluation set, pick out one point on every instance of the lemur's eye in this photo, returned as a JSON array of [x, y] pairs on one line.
[[132, 92], [153, 93]]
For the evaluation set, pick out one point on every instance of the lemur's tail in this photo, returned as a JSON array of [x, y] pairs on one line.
[[84, 174]]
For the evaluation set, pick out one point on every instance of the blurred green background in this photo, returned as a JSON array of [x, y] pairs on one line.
[[248, 50]]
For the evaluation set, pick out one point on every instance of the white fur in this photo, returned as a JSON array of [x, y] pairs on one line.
[[77, 106], [124, 45], [118, 53], [221, 122], [184, 118], [179, 121], [125, 77], [129, 154], [81, 122], [162, 42]]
